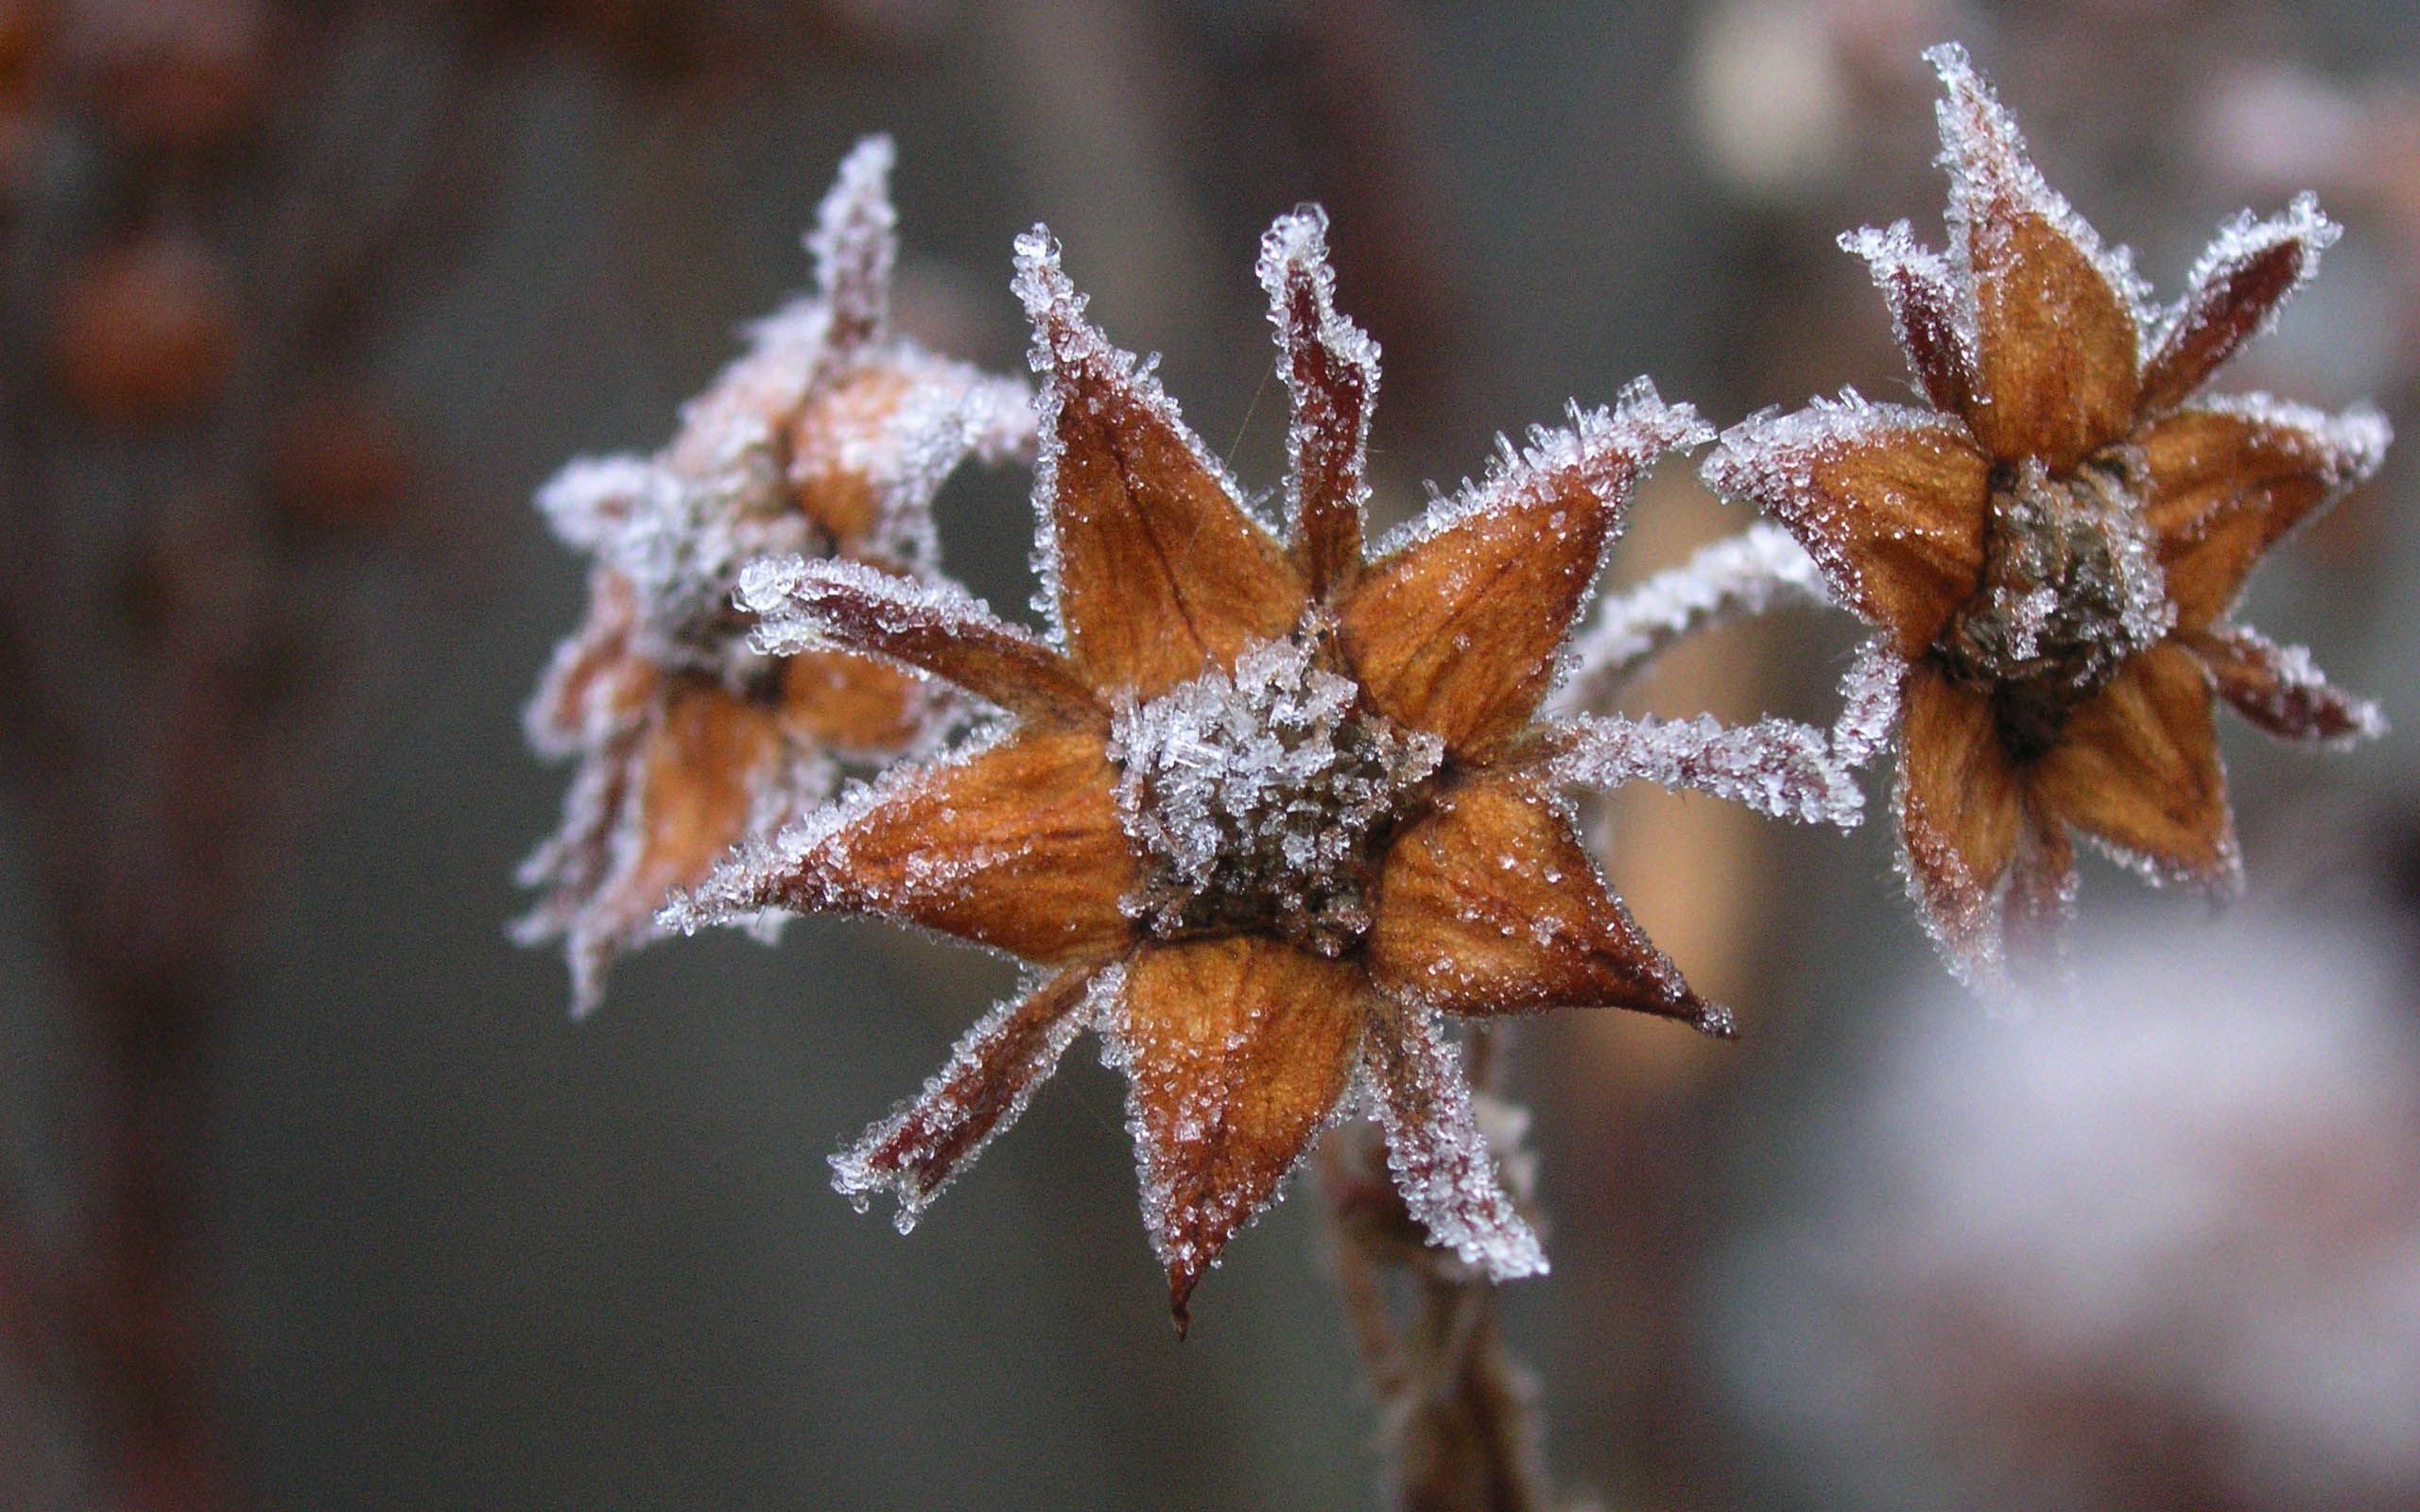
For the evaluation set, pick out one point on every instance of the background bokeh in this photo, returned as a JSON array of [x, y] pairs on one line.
[[302, 300]]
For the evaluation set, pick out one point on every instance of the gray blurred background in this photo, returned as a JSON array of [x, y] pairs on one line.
[[434, 1245]]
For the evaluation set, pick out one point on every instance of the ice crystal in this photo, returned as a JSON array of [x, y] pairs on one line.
[[1254, 796]]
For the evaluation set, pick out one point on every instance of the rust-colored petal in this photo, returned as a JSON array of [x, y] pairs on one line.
[[2232, 296], [1016, 847], [852, 704], [2137, 768], [2279, 690], [2055, 336], [2231, 477], [990, 1077], [1491, 904], [934, 627], [1457, 631], [1961, 811], [699, 771], [1238, 1051], [1331, 371], [1890, 501], [1158, 571]]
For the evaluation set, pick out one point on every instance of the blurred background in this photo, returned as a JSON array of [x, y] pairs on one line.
[[312, 1197]]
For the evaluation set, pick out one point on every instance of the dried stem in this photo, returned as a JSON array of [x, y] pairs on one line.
[[1457, 1416]]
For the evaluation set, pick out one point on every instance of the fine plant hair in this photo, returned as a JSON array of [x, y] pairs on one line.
[[1286, 816]]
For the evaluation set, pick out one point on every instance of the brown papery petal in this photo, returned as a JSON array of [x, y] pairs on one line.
[[1016, 847], [1238, 1051], [1490, 904], [699, 772], [2231, 477], [1457, 632], [937, 628], [1960, 810], [1158, 571], [2138, 768], [1331, 371], [851, 704], [1890, 501], [2279, 690], [1926, 309], [2055, 341]]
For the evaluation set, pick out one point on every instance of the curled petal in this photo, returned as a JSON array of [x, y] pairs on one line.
[[2233, 295], [1890, 502], [2281, 691], [855, 244], [1157, 570], [2055, 330], [1440, 1157], [934, 627], [1961, 807], [2231, 477], [1490, 904], [1457, 629], [2137, 768], [1331, 371], [990, 1077], [1016, 847], [1932, 320], [1236, 1051]]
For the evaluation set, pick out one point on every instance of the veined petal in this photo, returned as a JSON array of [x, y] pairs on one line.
[[1015, 846], [935, 628], [594, 686], [2231, 477], [1439, 1158], [1961, 811], [1331, 371], [2056, 336], [1158, 571], [1490, 904], [2137, 768], [2232, 295], [990, 1077], [1890, 501], [1455, 631], [2280, 691], [1238, 1051]]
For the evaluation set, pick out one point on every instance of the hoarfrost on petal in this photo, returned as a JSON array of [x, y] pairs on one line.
[[1778, 768], [1759, 570], [1870, 695], [855, 243], [1440, 1159]]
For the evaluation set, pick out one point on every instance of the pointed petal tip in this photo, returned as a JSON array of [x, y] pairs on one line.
[[1714, 1021], [1295, 239]]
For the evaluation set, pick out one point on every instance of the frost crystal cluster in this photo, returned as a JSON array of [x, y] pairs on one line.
[[1254, 796]]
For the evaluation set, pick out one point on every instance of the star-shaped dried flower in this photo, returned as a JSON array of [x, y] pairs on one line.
[[1265, 813], [2051, 547], [829, 437]]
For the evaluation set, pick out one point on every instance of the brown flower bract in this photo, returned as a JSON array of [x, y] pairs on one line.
[[1265, 811]]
